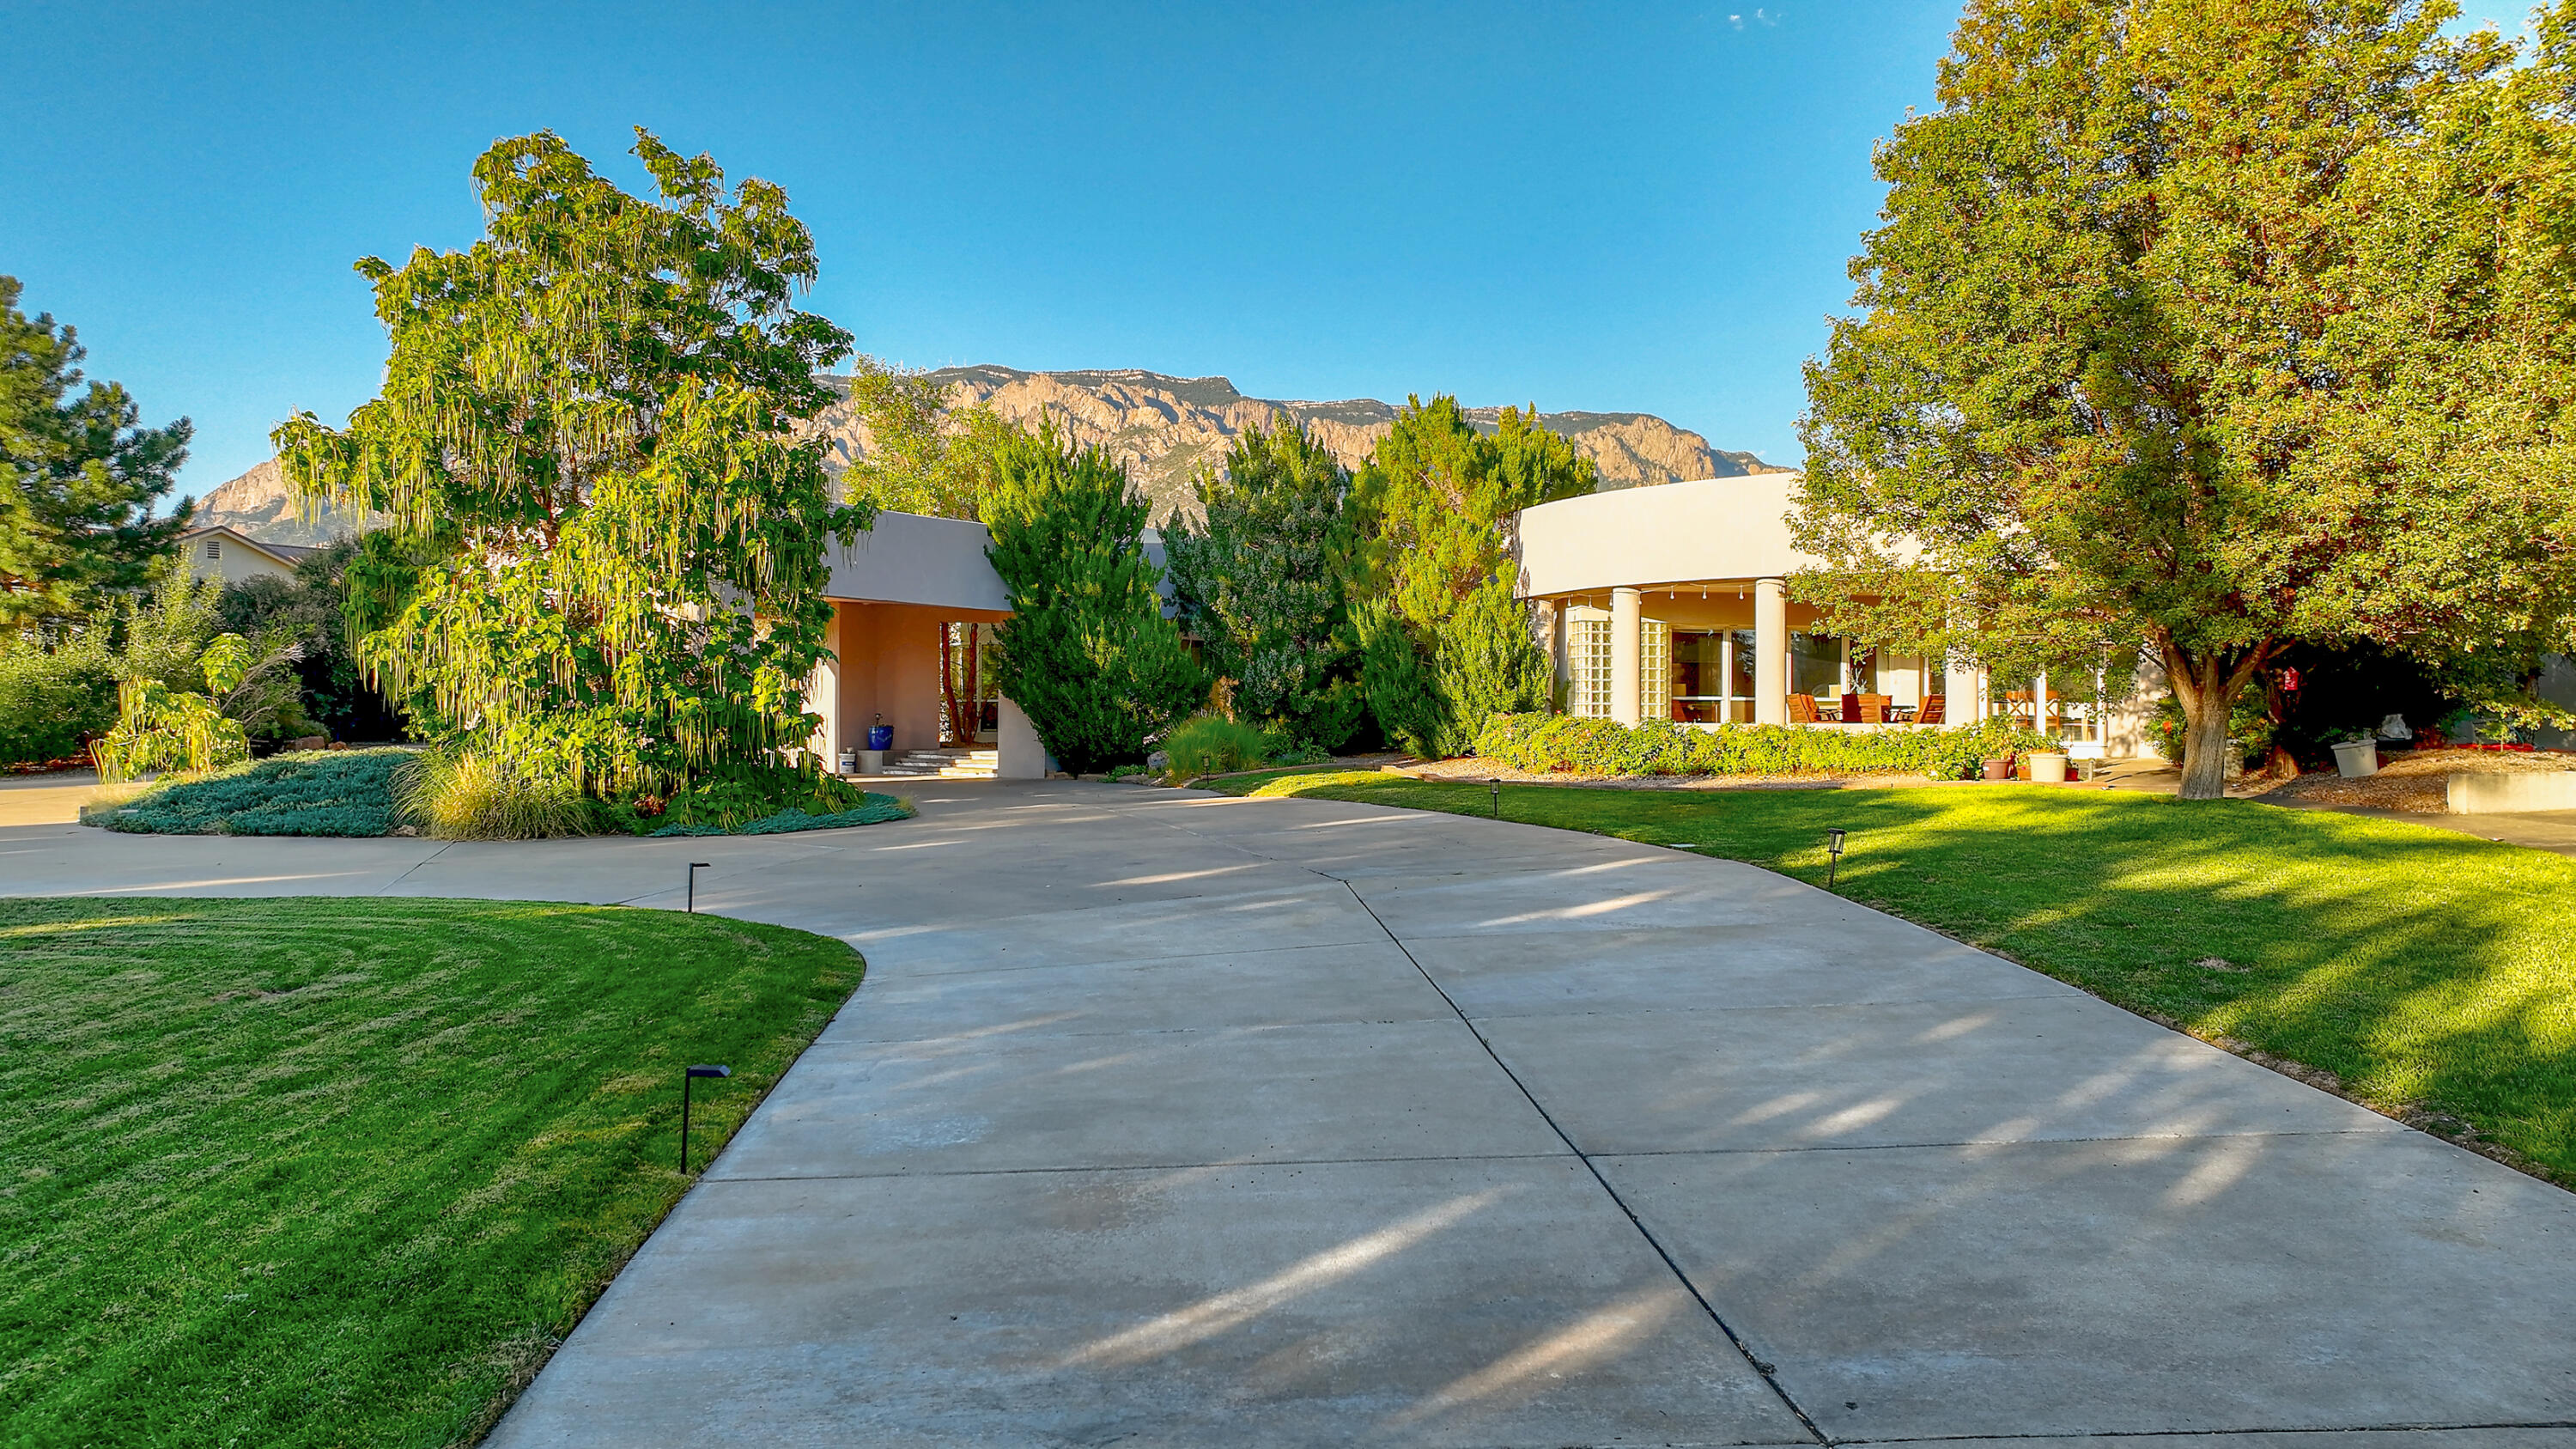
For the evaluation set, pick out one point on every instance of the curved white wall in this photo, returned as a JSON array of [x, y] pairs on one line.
[[1671, 533]]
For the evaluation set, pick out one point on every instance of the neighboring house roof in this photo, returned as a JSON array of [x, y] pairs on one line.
[[286, 554]]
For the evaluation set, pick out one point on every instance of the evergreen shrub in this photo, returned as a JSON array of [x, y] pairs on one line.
[[1543, 743]]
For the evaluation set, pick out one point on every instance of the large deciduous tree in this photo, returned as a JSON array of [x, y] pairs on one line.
[[608, 545], [2200, 327], [1263, 581], [1086, 653], [1443, 641], [79, 478]]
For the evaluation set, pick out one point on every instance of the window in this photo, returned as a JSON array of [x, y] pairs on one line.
[[214, 550], [1816, 664], [1587, 647]]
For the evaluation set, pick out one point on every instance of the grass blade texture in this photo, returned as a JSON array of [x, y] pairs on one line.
[[2429, 972], [329, 1172]]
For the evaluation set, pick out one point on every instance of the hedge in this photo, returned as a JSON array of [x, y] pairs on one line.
[[1545, 743]]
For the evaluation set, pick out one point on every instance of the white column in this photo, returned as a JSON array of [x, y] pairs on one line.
[[2039, 702], [823, 697], [1770, 651], [1626, 612], [1726, 677]]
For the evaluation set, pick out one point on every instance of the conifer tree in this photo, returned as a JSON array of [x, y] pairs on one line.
[[1262, 581], [1438, 499], [1086, 653], [607, 549], [78, 477]]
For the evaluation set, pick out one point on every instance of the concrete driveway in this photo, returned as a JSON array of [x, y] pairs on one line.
[[1169, 1120]]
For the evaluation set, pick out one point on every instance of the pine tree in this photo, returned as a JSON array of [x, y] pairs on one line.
[[1086, 653], [78, 477], [1263, 580]]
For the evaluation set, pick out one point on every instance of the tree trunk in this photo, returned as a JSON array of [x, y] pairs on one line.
[[948, 684], [2206, 687]]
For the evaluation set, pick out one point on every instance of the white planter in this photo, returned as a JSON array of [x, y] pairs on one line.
[[2357, 759], [2048, 769]]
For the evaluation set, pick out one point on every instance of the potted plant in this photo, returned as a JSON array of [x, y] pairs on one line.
[[1998, 768], [2047, 767], [2358, 756]]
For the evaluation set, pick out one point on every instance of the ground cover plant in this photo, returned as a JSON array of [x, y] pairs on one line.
[[2426, 970], [473, 797], [323, 1172], [339, 792]]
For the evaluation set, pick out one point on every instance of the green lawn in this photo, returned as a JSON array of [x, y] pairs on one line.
[[342, 1172], [2429, 971]]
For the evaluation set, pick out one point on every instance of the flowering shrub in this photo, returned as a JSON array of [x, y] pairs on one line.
[[1581, 746]]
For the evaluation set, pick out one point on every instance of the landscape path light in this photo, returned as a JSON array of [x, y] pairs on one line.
[[1497, 783], [694, 867], [1833, 854], [691, 1075]]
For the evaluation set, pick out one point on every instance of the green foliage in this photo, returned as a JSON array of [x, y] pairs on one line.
[[1583, 746], [338, 792], [1262, 581], [160, 729], [924, 456], [78, 478], [460, 793], [1086, 652], [411, 1142], [1211, 744], [55, 699], [607, 548], [309, 610], [2200, 329], [1436, 501], [877, 810]]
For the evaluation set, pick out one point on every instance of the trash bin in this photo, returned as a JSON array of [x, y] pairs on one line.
[[881, 737]]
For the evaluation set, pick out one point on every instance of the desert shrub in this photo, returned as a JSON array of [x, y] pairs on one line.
[[1585, 746], [344, 792], [481, 795], [1211, 744]]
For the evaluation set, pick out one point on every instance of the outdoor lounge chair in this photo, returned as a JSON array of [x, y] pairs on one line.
[[1930, 713], [1802, 710], [1873, 708]]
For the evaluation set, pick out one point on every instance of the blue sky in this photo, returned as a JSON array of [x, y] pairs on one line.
[[1630, 207]]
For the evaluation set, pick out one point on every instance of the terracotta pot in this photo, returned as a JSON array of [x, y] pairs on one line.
[[1999, 769]]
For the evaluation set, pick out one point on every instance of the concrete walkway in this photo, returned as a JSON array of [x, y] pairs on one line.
[[1170, 1120]]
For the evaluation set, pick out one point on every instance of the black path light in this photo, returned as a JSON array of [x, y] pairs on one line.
[[694, 867], [1497, 783], [686, 1078], [1834, 854]]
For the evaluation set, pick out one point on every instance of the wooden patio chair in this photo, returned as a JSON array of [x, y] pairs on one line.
[[1873, 708], [1802, 710], [1930, 713]]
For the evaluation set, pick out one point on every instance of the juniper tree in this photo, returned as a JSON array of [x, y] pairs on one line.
[[1086, 653], [1263, 580], [608, 545], [1438, 499]]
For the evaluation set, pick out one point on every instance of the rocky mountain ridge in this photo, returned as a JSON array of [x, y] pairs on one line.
[[1166, 428], [1163, 428]]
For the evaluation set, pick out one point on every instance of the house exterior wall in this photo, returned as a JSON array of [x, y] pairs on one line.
[[236, 560]]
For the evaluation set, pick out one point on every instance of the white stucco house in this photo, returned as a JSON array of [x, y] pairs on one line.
[[1671, 602]]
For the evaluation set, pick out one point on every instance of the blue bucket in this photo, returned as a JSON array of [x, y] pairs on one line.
[[881, 737]]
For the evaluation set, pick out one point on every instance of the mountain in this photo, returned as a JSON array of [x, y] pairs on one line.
[[1165, 428], [256, 505]]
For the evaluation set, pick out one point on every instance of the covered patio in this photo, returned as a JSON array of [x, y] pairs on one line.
[[1672, 602]]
